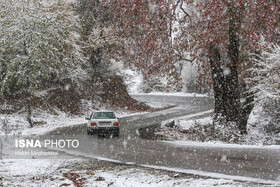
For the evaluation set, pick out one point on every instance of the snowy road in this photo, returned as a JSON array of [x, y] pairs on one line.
[[249, 163]]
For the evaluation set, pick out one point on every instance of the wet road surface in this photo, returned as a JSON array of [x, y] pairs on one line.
[[129, 147]]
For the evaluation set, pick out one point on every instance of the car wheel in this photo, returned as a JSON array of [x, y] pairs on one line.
[[88, 132]]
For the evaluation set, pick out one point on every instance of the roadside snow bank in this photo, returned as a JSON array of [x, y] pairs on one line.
[[179, 94], [220, 145]]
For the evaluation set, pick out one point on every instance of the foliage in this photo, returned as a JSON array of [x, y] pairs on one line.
[[97, 33], [221, 34], [253, 20], [99, 44], [210, 27], [37, 45], [218, 35], [144, 31]]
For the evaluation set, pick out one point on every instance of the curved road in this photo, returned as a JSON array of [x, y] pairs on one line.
[[258, 163]]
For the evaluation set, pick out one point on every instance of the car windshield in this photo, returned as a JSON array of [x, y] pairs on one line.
[[104, 115]]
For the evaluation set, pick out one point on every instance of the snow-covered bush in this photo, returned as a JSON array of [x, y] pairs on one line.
[[263, 127], [265, 117], [5, 126], [266, 72], [133, 80], [226, 131], [204, 130], [153, 84]]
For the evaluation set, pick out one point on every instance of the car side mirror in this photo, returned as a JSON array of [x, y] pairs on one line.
[[87, 118]]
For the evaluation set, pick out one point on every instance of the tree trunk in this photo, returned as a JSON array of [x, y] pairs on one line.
[[96, 58], [28, 103], [233, 105], [218, 81], [29, 112], [225, 81]]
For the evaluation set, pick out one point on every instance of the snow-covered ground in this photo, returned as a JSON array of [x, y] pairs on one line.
[[47, 172], [77, 172]]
